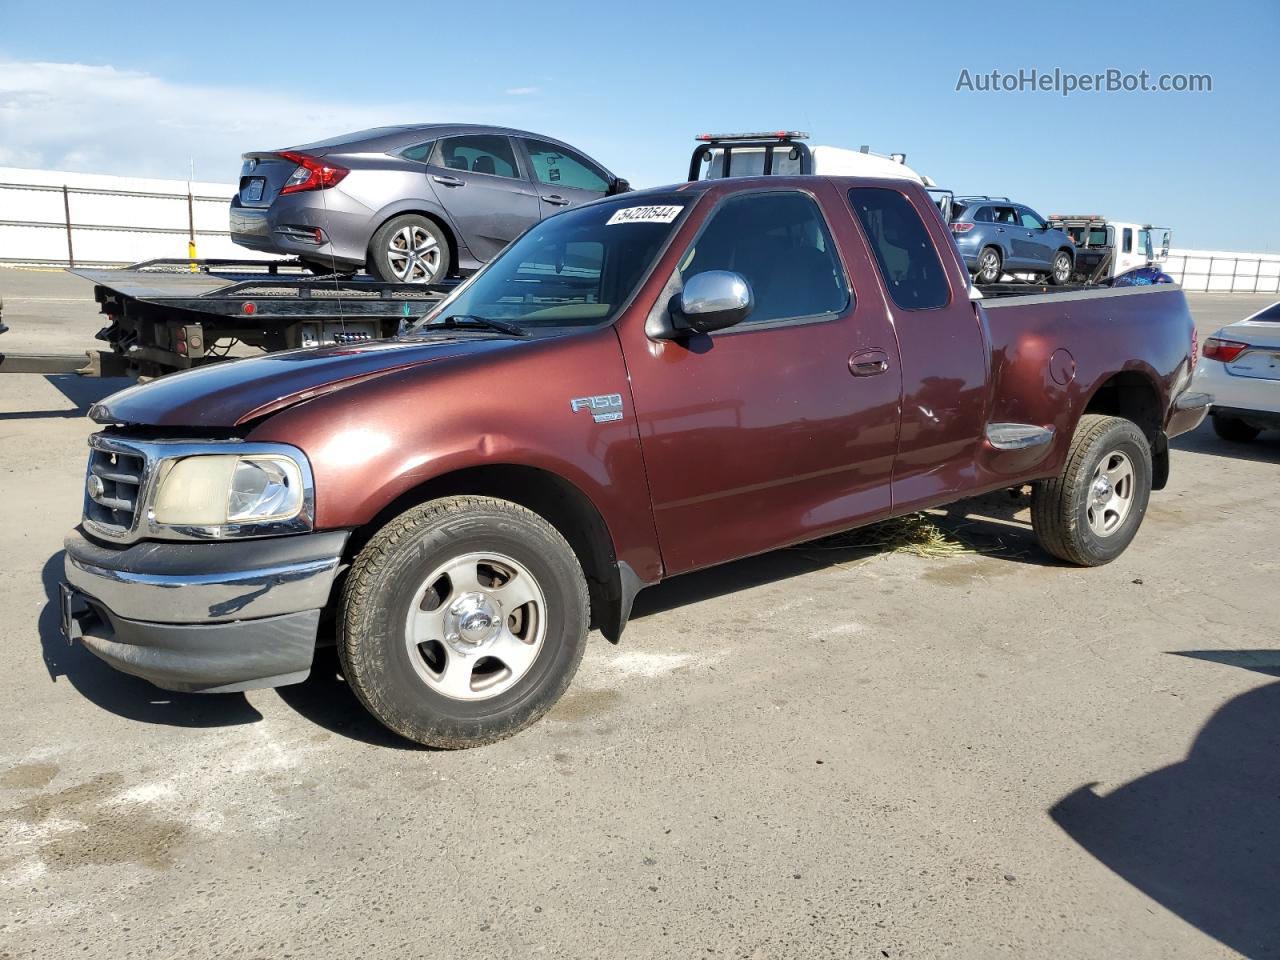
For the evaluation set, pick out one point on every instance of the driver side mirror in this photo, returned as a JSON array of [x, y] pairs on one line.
[[619, 186], [715, 300]]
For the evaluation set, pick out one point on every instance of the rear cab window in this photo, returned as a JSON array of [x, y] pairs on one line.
[[477, 153], [902, 247], [778, 241]]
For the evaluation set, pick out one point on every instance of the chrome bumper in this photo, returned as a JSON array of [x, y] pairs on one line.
[[211, 617], [206, 582]]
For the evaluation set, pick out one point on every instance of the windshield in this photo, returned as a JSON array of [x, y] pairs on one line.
[[576, 269]]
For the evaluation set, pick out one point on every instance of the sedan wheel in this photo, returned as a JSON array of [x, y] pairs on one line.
[[409, 249]]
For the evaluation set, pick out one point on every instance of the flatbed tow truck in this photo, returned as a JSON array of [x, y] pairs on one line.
[[168, 315]]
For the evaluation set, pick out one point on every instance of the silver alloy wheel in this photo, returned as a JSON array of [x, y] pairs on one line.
[[414, 254], [476, 625], [1062, 268], [989, 266], [1111, 494]]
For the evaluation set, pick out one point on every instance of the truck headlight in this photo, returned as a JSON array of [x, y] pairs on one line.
[[214, 490]]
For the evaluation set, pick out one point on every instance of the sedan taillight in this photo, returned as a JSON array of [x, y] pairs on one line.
[[961, 227], [312, 173], [1224, 351]]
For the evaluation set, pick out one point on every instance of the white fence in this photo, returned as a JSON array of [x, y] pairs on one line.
[[60, 218], [1224, 271]]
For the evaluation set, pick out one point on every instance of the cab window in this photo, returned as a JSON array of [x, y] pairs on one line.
[[904, 252], [482, 153], [558, 167], [779, 243], [1128, 240]]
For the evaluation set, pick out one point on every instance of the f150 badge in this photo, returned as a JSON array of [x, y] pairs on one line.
[[604, 408]]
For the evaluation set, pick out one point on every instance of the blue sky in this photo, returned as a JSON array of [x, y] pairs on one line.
[[148, 87]]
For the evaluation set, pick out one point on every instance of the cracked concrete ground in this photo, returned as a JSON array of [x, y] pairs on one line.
[[815, 753]]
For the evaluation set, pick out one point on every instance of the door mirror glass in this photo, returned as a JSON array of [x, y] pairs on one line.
[[714, 300], [620, 186]]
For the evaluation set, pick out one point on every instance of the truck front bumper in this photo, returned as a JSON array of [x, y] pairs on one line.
[[207, 617]]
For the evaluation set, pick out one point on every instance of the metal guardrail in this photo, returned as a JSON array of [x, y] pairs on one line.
[[1224, 274], [70, 226]]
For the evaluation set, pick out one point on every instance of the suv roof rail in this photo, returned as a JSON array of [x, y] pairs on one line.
[[1090, 217], [771, 135], [983, 196]]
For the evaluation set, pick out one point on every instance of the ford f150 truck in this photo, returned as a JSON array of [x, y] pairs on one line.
[[636, 388]]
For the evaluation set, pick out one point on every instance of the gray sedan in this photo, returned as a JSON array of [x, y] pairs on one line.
[[412, 204]]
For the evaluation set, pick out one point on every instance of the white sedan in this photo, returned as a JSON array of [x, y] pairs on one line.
[[1241, 369]]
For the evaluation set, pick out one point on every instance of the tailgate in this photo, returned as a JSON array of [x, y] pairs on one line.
[[262, 175]]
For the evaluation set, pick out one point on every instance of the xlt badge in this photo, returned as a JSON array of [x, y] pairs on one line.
[[604, 408]]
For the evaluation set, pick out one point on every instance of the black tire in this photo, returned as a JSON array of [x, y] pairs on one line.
[[1061, 272], [426, 266], [387, 577], [1060, 506], [990, 265], [1234, 430]]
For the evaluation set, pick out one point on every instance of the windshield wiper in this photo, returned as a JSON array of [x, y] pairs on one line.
[[461, 320]]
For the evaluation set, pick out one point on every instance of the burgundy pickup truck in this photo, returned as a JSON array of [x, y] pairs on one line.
[[636, 388]]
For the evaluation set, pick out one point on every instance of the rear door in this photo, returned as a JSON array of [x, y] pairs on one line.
[[1039, 241], [944, 353], [480, 183], [563, 177], [1004, 234]]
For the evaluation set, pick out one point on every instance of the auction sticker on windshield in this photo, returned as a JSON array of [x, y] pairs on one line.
[[654, 214]]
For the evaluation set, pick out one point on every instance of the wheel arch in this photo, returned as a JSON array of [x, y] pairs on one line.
[[611, 585], [1134, 395]]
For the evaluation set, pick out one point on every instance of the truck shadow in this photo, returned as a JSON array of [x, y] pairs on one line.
[[1202, 836], [119, 693], [991, 525], [81, 391], [1266, 449]]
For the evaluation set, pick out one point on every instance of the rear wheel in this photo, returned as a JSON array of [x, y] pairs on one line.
[[1061, 272], [463, 621], [409, 249], [990, 265], [1090, 513], [1237, 431]]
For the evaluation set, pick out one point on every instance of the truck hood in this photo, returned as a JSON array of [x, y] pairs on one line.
[[234, 393]]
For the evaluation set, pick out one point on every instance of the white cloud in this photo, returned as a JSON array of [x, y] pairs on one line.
[[522, 91], [100, 119]]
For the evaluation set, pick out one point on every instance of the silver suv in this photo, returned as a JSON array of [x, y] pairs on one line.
[[412, 204]]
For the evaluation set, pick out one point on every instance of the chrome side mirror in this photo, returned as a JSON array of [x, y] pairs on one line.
[[715, 300]]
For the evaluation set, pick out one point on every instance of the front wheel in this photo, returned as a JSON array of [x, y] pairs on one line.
[[463, 621], [1090, 512], [1061, 272]]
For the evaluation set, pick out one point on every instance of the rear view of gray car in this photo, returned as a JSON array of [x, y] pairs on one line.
[[412, 204]]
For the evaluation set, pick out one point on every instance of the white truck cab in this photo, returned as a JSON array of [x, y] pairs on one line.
[[1108, 248], [784, 153]]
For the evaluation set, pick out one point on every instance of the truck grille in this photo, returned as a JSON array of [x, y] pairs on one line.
[[113, 487]]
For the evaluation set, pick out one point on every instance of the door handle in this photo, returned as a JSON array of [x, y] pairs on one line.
[[448, 181], [556, 200], [869, 363]]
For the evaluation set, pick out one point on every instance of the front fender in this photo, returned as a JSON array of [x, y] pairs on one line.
[[375, 441]]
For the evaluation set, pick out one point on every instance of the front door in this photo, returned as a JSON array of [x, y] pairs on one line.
[[563, 178], [480, 185], [783, 427], [944, 352], [1040, 247]]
